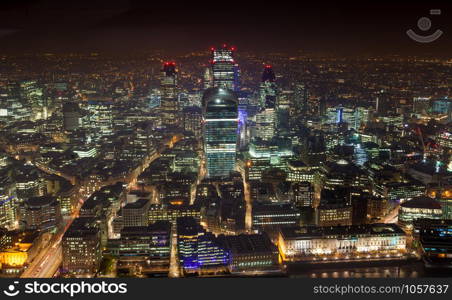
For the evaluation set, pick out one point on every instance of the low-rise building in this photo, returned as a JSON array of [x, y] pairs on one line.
[[359, 242]]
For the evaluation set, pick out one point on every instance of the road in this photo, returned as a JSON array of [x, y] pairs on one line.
[[46, 264], [248, 202]]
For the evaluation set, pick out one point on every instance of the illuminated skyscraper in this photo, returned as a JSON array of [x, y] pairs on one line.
[[301, 95], [8, 204], [33, 93], [101, 116], [192, 117], [383, 103], [266, 118], [224, 70], [265, 124], [220, 131], [168, 85], [71, 116], [268, 88]]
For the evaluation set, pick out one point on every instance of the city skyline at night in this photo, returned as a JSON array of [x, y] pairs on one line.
[[133, 148]]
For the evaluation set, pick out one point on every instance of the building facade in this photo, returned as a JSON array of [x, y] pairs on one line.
[[363, 242], [220, 131]]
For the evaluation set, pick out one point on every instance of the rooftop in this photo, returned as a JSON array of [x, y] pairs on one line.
[[422, 202]]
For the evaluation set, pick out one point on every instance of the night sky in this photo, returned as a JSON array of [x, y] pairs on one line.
[[347, 28]]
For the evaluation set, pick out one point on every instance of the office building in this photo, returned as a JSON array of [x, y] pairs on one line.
[[421, 207], [199, 251], [223, 68], [9, 204], [170, 213], [40, 213], [192, 119], [136, 213], [81, 247], [251, 253], [168, 104], [270, 216], [302, 194], [220, 118], [71, 116], [145, 246]]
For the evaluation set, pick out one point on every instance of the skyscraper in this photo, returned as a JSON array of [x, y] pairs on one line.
[[33, 93], [220, 131], [168, 103], [71, 116], [192, 117], [383, 103], [266, 118], [265, 124], [8, 203], [101, 116], [268, 88], [301, 95], [224, 70]]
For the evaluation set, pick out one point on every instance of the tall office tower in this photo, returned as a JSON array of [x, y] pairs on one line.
[[223, 68], [12, 106], [208, 78], [383, 104], [33, 94], [301, 95], [283, 103], [8, 203], [71, 116], [237, 76], [220, 131], [244, 112], [192, 118], [322, 107], [266, 117], [154, 98], [265, 124], [101, 116], [169, 102], [268, 88]]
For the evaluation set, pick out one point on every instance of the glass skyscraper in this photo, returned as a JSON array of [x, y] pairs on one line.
[[168, 102], [224, 70], [220, 131], [266, 117]]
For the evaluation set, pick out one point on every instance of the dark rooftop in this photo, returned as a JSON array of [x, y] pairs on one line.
[[422, 202]]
